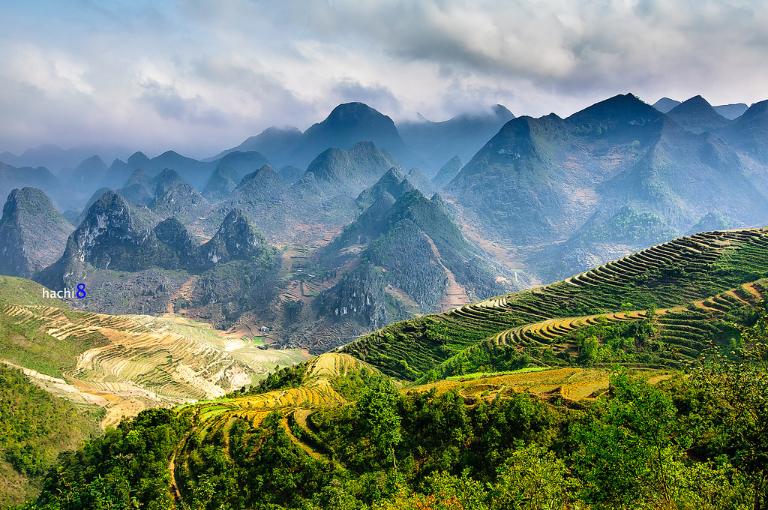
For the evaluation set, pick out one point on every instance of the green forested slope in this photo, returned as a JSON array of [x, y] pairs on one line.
[[34, 427]]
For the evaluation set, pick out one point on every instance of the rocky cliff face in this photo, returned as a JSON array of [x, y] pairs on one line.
[[114, 250], [32, 233]]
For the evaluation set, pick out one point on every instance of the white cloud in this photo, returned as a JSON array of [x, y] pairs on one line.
[[204, 74]]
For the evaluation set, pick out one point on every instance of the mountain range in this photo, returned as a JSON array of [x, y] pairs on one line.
[[538, 199], [613, 178]]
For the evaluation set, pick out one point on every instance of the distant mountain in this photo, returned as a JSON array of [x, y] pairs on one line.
[[729, 111], [447, 172], [420, 181], [174, 197], [665, 104], [138, 189], [191, 170], [166, 195], [242, 163], [263, 185], [407, 256], [131, 264], [732, 111], [32, 233], [713, 221], [750, 132], [86, 176], [290, 173], [267, 200], [312, 208], [393, 183], [275, 143], [610, 179], [462, 135], [93, 198], [351, 170], [698, 116], [347, 125], [57, 158], [230, 169], [19, 177], [221, 183]]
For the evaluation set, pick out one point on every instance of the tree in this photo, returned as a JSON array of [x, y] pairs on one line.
[[532, 478], [623, 444], [730, 407], [379, 420]]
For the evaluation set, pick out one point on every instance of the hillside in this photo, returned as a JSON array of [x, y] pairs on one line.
[[35, 427], [370, 284], [68, 374], [123, 363], [675, 276]]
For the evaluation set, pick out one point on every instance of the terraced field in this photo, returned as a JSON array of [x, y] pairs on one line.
[[682, 332], [130, 362], [572, 385], [213, 421], [675, 276]]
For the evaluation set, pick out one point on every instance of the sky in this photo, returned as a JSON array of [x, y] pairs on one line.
[[201, 75]]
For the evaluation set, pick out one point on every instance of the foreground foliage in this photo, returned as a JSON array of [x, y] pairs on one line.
[[695, 441]]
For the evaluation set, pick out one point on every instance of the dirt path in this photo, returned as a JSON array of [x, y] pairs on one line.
[[455, 294]]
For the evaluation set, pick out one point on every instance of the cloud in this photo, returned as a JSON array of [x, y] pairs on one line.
[[204, 74], [377, 96]]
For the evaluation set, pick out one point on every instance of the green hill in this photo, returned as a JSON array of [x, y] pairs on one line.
[[34, 427], [669, 275]]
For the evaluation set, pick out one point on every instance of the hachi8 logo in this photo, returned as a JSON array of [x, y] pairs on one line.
[[78, 292]]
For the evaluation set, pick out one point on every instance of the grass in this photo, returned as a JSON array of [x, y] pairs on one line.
[[480, 375]]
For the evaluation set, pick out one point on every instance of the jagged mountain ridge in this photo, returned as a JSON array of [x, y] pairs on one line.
[[403, 255], [133, 264], [322, 200], [113, 236], [543, 180]]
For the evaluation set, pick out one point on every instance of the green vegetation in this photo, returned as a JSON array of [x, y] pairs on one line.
[[21, 291], [690, 442], [34, 427], [676, 274], [25, 341]]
